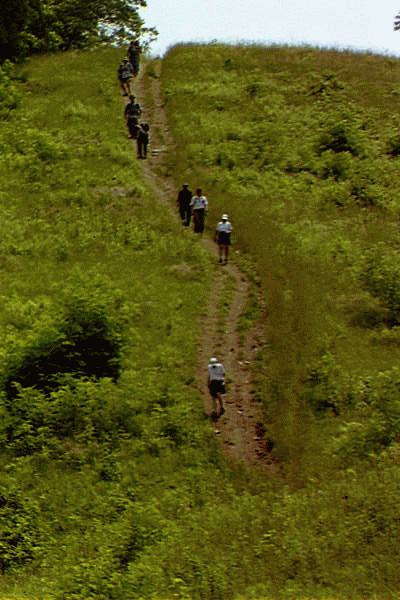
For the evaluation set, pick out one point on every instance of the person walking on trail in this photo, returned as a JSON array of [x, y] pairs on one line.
[[142, 140], [125, 76], [199, 205], [183, 202], [216, 385], [134, 52], [132, 113], [223, 238]]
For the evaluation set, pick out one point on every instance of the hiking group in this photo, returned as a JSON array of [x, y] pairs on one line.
[[197, 206], [189, 205], [128, 69]]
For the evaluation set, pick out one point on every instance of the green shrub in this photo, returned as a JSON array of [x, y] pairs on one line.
[[10, 96], [19, 529], [380, 276], [82, 410], [85, 340], [393, 146], [378, 419], [336, 165], [339, 137]]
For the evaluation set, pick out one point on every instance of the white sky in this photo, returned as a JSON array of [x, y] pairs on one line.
[[354, 24]]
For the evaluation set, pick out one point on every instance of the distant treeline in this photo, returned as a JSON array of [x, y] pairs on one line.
[[36, 26]]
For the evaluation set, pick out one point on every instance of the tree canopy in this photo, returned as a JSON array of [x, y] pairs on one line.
[[396, 24], [29, 26]]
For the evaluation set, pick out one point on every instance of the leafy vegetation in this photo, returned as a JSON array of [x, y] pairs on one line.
[[32, 26], [111, 483], [288, 141], [299, 146]]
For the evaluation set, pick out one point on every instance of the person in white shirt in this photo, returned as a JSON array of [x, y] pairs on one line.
[[216, 384], [223, 237], [199, 204]]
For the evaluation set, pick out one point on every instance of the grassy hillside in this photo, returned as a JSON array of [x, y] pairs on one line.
[[111, 484], [300, 146]]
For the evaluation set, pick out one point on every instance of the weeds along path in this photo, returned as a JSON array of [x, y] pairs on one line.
[[240, 428]]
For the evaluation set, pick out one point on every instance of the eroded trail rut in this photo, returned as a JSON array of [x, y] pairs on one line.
[[239, 428]]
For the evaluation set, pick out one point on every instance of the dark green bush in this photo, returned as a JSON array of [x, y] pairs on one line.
[[339, 137], [336, 165], [85, 340], [393, 148]]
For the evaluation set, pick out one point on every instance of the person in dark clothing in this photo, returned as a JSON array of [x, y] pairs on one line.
[[142, 140], [183, 202], [132, 113], [134, 52]]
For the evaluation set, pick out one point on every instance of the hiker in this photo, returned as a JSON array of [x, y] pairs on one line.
[[134, 52], [216, 384], [223, 238], [125, 76], [183, 202], [199, 206], [132, 113], [142, 140]]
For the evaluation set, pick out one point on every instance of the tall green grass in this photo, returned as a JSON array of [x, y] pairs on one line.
[[114, 487], [298, 145]]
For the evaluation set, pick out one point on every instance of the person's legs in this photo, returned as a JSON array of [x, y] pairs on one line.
[[139, 147], [226, 252], [221, 404], [201, 220], [196, 220], [188, 214], [213, 394], [133, 128], [135, 67], [220, 249], [122, 84]]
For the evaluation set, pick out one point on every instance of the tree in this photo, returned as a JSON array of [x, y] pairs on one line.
[[81, 24], [28, 26], [14, 16]]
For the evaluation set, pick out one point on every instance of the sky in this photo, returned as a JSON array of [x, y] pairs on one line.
[[350, 24]]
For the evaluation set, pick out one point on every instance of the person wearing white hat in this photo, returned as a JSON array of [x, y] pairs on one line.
[[216, 384], [223, 238]]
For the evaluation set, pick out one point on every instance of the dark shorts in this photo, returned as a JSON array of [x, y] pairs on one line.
[[224, 238], [135, 66], [216, 387]]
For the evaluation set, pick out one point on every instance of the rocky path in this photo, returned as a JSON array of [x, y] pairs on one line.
[[239, 429]]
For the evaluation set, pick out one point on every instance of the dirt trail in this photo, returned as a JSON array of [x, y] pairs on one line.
[[239, 428]]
